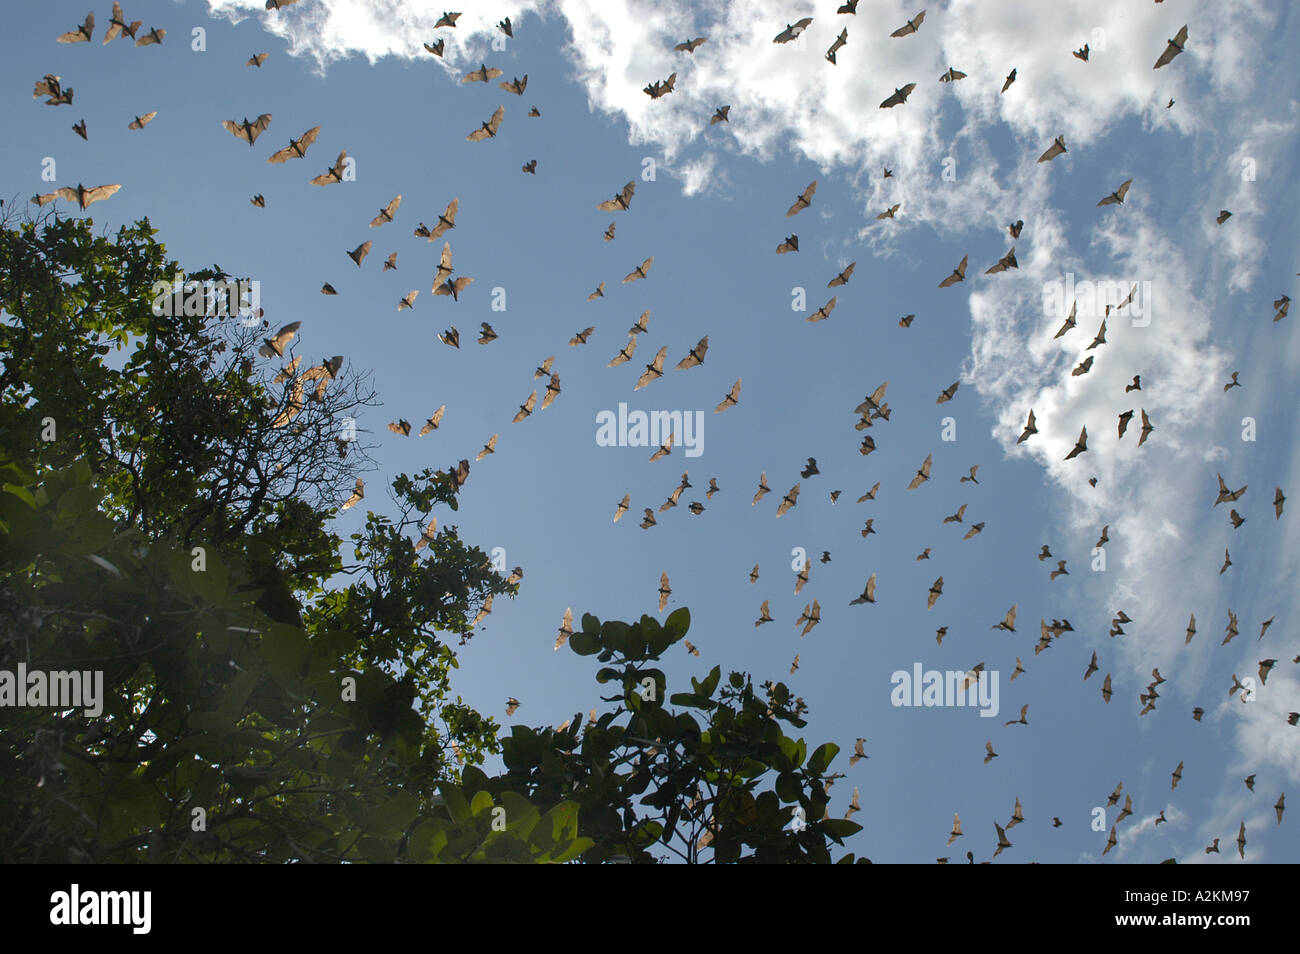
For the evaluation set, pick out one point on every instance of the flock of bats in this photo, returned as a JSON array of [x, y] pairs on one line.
[[312, 382]]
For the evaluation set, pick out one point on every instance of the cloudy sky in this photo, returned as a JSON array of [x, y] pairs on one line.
[[710, 207]]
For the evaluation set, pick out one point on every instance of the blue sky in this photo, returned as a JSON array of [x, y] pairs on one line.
[[712, 216]]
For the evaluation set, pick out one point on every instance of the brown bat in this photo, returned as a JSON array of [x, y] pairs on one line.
[[899, 96], [390, 262], [504, 27], [1029, 430], [922, 475], [1069, 322], [1009, 621], [487, 333], [824, 312], [621, 200], [1222, 217], [609, 233], [664, 591], [530, 166], [1172, 49], [958, 274], [50, 86], [890, 212], [653, 370], [658, 89], [359, 253], [358, 494], [911, 26], [1057, 148], [1241, 832], [386, 213], [327, 289], [257, 59], [1082, 53], [489, 448], [803, 200], [642, 324], [1060, 570], [1083, 368], [713, 488], [1147, 427], [402, 427], [297, 148], [449, 20], [1006, 85], [566, 625], [274, 347], [481, 75], [840, 41], [720, 115], [868, 592], [802, 579], [956, 517], [1106, 691], [1226, 495], [1100, 338], [952, 75], [1234, 383], [434, 421], [791, 244], [763, 490], [696, 354], [811, 617], [516, 85], [1024, 710], [450, 337], [488, 129], [792, 30], [552, 389], [947, 395], [990, 754], [246, 130], [443, 283], [1006, 261], [1280, 807], [971, 478], [259, 200], [625, 354], [598, 293], [446, 220], [80, 194], [436, 48], [936, 590], [581, 337], [1080, 445], [81, 34], [334, 173], [641, 271], [664, 449], [622, 507], [690, 46], [1116, 197], [526, 408], [117, 25], [843, 277], [788, 501], [80, 129], [1015, 228]]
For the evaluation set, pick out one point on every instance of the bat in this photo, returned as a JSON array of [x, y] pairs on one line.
[[489, 128], [803, 200], [810, 616], [1172, 49], [1029, 430], [566, 625], [516, 85], [696, 355], [690, 46], [359, 253], [327, 289], [890, 212], [487, 334], [1222, 217], [653, 370], [332, 174], [622, 507], [117, 25], [80, 129], [810, 469], [428, 534], [1084, 367], [402, 427], [450, 337], [277, 4], [297, 148], [840, 41], [641, 271], [1009, 621], [1147, 428], [720, 115], [504, 27], [664, 591], [664, 449], [868, 592], [658, 88], [1082, 53], [274, 347], [436, 48], [50, 86], [958, 274], [649, 520], [956, 828], [391, 261], [511, 705], [792, 30], [952, 75], [82, 33], [247, 130], [446, 220], [598, 293], [481, 75], [257, 59], [642, 324], [358, 494], [434, 421], [922, 474], [530, 166], [1116, 197], [824, 312], [259, 200], [936, 590], [1123, 422], [991, 755], [1015, 228], [956, 517], [609, 233], [1069, 322], [1006, 261], [911, 26], [81, 195], [1226, 495], [1057, 148], [947, 395], [899, 96], [1234, 383], [788, 501], [1060, 570], [386, 213], [1023, 710], [843, 277], [624, 355], [1241, 832], [526, 408], [449, 20], [1278, 500], [791, 244], [621, 200], [581, 337], [443, 283], [1011, 78], [1080, 445], [1100, 339], [489, 448], [763, 490]]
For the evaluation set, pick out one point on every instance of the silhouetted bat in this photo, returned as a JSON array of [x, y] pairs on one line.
[[450, 337], [1116, 197], [951, 75], [448, 20], [359, 253], [911, 26], [899, 97], [487, 334], [1082, 53], [1174, 47], [49, 86], [720, 115], [1080, 445], [890, 212], [958, 274], [275, 346], [530, 166], [504, 27], [841, 40], [792, 30], [436, 48], [80, 129], [1011, 78], [1055, 149]]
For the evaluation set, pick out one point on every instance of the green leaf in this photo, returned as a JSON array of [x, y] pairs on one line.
[[822, 757]]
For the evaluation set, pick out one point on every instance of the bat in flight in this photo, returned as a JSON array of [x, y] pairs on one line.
[[791, 244], [1116, 197], [449, 20], [581, 337], [824, 312], [653, 370], [505, 27], [1082, 53], [297, 148], [843, 277], [665, 448], [359, 253], [489, 448], [141, 121], [530, 166], [248, 131], [436, 48], [720, 115], [696, 354], [731, 400], [922, 475], [911, 26], [792, 30], [334, 173], [1030, 429], [50, 86], [481, 75], [80, 130], [450, 337], [1057, 148], [386, 213], [952, 75], [641, 271], [446, 220], [803, 201], [434, 421], [80, 194], [890, 212], [1006, 261], [409, 300], [1080, 445], [488, 129], [117, 25], [1011, 78], [443, 283], [358, 494], [840, 41], [526, 409], [958, 274], [658, 88], [81, 34], [275, 346], [899, 97], [1174, 47], [624, 355], [621, 200], [516, 85], [868, 593], [665, 591], [788, 501], [690, 46]]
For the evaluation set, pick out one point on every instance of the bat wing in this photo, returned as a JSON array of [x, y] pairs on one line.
[[99, 192]]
